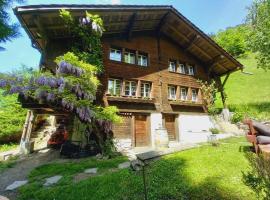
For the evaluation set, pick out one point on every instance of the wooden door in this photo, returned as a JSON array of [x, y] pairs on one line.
[[141, 133], [170, 126]]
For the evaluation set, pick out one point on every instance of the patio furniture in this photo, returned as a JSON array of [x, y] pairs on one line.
[[258, 135]]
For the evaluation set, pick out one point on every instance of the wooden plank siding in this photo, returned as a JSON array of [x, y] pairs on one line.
[[157, 72]]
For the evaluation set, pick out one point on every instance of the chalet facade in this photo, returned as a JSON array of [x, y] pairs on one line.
[[153, 58]]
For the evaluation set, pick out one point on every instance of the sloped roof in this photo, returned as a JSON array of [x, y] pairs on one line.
[[126, 19]]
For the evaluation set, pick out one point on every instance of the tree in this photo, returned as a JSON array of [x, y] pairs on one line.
[[233, 39], [259, 38], [73, 88], [7, 29]]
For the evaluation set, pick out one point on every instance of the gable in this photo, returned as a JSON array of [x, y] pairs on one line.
[[42, 22]]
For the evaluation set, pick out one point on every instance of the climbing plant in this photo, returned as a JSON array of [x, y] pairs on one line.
[[74, 85], [208, 91]]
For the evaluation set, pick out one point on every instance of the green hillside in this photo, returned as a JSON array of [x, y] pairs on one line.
[[249, 94]]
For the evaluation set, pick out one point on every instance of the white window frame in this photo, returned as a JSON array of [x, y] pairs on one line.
[[183, 95], [181, 68], [194, 95], [142, 60], [114, 88], [129, 55], [172, 68], [114, 53], [131, 91], [190, 70], [144, 92], [171, 96]]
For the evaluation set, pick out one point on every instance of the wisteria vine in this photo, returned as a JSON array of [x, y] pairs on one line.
[[74, 85]]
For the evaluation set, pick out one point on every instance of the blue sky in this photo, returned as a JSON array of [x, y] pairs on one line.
[[209, 15]]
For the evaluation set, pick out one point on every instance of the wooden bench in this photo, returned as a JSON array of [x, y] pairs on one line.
[[252, 138], [265, 150]]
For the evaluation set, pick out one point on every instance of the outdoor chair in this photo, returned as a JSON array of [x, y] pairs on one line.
[[258, 135]]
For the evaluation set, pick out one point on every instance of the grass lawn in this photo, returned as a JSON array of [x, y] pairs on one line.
[[202, 173], [7, 147], [249, 93]]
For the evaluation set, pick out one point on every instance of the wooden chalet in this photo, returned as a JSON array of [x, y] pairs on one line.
[[153, 57]]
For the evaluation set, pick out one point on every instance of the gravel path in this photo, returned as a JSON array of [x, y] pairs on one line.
[[22, 168]]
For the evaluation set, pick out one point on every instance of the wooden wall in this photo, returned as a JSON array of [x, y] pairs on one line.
[[157, 71]]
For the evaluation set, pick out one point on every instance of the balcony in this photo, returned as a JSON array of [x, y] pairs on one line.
[[198, 103], [131, 99]]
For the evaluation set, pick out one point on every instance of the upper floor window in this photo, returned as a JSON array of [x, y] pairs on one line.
[[114, 87], [145, 89], [142, 60], [130, 88], [129, 57], [172, 66], [194, 95], [172, 92], [190, 70], [183, 94], [182, 68], [115, 54]]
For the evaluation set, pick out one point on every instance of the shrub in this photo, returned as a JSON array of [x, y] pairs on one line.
[[258, 178], [237, 117], [12, 117], [214, 130], [213, 110]]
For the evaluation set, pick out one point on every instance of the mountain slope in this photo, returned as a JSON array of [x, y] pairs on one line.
[[249, 93]]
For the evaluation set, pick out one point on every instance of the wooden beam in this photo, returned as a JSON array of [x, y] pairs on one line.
[[41, 32], [203, 64], [193, 40], [212, 63], [162, 22], [221, 90], [225, 80], [130, 25]]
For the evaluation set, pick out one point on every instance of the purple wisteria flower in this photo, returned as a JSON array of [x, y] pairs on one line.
[[3, 83], [15, 89]]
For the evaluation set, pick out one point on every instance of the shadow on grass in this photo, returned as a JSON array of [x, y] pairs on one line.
[[168, 180]]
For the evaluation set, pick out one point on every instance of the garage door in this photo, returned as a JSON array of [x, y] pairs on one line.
[[141, 133], [170, 126]]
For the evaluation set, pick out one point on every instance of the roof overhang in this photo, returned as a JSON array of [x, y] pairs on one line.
[[42, 22]]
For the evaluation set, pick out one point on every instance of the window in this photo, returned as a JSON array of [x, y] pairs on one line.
[[190, 70], [194, 95], [115, 54], [171, 92], [172, 66], [142, 60], [129, 57], [130, 88], [114, 87], [145, 89], [183, 94], [182, 68]]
